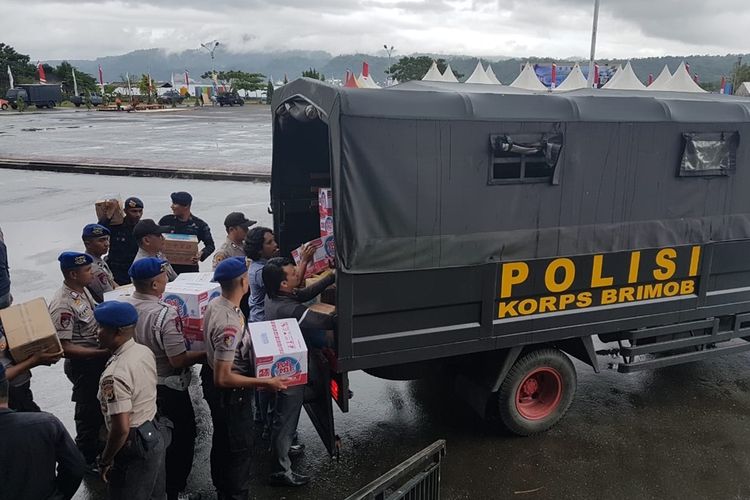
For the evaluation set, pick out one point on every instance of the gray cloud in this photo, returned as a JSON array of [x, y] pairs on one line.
[[629, 28]]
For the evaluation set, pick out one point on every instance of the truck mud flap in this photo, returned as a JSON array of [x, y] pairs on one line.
[[318, 402]]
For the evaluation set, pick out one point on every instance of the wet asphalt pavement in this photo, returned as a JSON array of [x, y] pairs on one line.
[[208, 138], [679, 432]]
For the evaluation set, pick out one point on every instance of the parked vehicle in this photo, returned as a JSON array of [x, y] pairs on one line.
[[170, 97], [94, 99], [42, 95], [4, 104], [230, 99], [495, 235]]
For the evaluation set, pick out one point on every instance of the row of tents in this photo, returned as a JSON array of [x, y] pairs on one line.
[[623, 79]]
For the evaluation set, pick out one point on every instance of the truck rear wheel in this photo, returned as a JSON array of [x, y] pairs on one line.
[[537, 391], [51, 104]]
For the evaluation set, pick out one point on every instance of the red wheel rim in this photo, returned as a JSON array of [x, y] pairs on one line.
[[539, 393]]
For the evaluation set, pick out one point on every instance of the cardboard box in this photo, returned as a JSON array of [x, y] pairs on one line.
[[190, 300], [119, 292], [323, 308], [195, 277], [325, 202], [180, 248], [325, 252], [110, 209], [29, 329], [279, 350], [326, 226]]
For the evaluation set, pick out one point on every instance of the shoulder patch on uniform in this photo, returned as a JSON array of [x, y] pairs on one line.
[[108, 389], [219, 257], [229, 336], [3, 343], [65, 319]]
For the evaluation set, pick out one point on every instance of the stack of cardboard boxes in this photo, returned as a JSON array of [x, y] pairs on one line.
[[325, 246], [180, 249]]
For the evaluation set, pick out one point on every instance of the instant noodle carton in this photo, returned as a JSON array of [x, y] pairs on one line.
[[325, 201], [190, 300], [279, 350], [325, 252]]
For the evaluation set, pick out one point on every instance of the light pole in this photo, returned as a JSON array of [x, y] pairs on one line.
[[389, 51], [211, 48], [593, 44]]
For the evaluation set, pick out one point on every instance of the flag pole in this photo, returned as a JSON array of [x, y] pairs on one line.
[[75, 83], [593, 43]]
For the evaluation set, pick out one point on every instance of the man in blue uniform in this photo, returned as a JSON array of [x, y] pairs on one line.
[[38, 456], [123, 245], [182, 221]]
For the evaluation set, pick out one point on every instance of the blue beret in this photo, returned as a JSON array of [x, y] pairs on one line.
[[147, 268], [133, 202], [229, 269], [71, 260], [94, 231], [116, 314], [181, 198]]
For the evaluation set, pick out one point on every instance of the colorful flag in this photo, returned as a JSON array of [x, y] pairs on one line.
[[187, 80], [10, 77], [365, 69], [42, 76]]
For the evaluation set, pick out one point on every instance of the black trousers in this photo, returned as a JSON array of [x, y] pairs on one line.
[[85, 374], [176, 406], [138, 474], [232, 441], [20, 398]]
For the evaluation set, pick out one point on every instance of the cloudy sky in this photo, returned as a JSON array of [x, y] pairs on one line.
[[75, 29]]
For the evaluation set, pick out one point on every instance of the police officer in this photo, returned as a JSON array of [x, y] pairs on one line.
[[160, 329], [237, 226], [96, 240], [72, 311], [5, 297], [132, 463], [123, 243], [228, 389], [151, 243], [182, 221]]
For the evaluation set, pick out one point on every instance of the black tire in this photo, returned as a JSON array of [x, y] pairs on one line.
[[14, 106], [554, 375], [4, 107], [241, 103], [78, 105], [51, 104]]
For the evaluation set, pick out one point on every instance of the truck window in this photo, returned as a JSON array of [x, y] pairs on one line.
[[708, 153], [522, 158]]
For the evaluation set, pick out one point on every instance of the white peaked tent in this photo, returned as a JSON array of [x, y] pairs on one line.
[[479, 76], [626, 81], [365, 82], [681, 81], [433, 74], [491, 75], [574, 81], [618, 74], [528, 79], [448, 75], [743, 89], [662, 80]]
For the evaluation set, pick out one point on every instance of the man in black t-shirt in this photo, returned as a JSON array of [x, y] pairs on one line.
[[182, 221]]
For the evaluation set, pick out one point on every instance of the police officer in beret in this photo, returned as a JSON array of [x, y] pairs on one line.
[[96, 240], [182, 221], [237, 226], [132, 463], [159, 328], [123, 245], [151, 244], [228, 384], [72, 311]]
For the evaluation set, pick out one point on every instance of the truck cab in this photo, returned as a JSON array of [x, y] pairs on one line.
[[495, 233]]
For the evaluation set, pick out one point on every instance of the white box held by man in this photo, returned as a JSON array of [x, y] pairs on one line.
[[119, 292], [325, 253], [190, 300], [280, 350], [205, 277]]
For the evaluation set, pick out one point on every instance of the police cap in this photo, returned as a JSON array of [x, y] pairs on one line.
[[71, 260], [150, 267], [182, 198], [93, 231], [229, 269], [116, 314], [133, 202], [146, 227], [238, 219]]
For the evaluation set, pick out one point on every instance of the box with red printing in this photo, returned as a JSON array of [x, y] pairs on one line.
[[325, 252], [190, 300], [325, 201], [279, 350], [326, 226]]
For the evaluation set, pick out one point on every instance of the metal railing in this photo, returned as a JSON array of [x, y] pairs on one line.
[[417, 478]]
